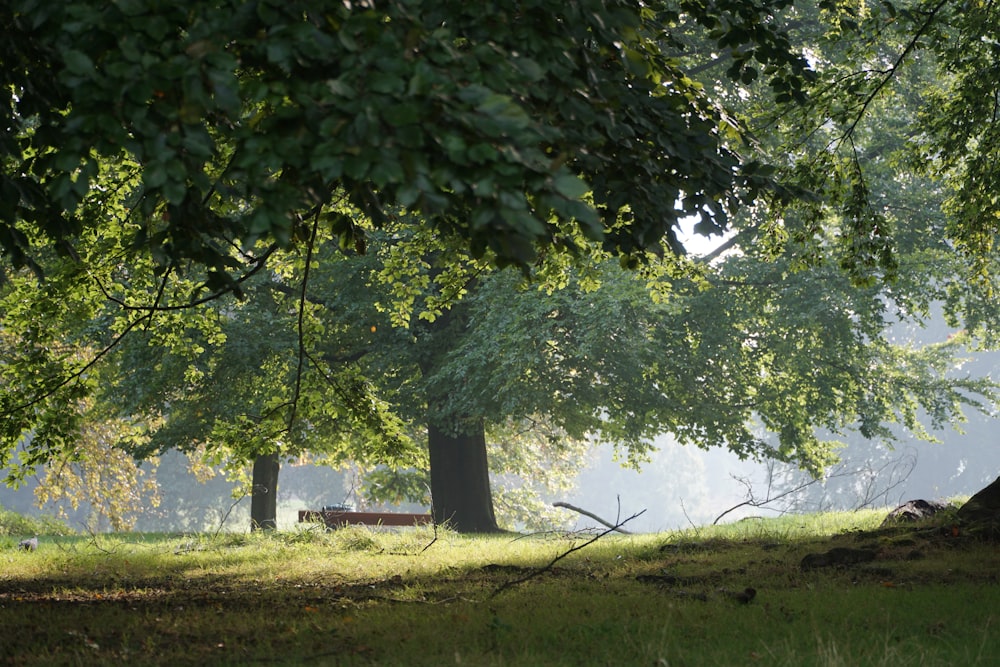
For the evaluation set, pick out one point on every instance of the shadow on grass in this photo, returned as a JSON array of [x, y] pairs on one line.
[[363, 597]]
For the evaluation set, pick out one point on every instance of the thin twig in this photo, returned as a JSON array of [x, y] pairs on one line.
[[867, 499], [258, 263], [225, 517], [146, 318], [431, 543], [557, 534], [592, 516], [159, 295], [80, 372], [751, 501], [94, 543], [543, 570], [688, 517]]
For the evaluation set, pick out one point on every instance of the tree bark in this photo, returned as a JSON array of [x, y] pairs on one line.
[[460, 480], [460, 477], [264, 493]]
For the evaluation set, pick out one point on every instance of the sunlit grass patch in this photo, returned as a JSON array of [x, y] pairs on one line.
[[425, 597]]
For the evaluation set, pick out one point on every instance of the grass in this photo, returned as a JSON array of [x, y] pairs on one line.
[[361, 597]]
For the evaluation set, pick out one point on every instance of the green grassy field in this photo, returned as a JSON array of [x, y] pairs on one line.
[[362, 597]]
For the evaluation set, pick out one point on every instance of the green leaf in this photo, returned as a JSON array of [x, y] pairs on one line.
[[347, 40], [382, 82], [405, 113], [385, 172], [78, 62], [570, 186], [154, 175], [340, 87], [174, 192], [279, 52], [328, 163]]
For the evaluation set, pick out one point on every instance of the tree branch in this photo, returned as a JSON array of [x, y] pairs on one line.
[[891, 72], [729, 243], [259, 263], [302, 353], [542, 570], [79, 372], [870, 494], [592, 516]]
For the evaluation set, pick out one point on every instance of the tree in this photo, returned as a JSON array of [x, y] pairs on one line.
[[917, 268], [743, 343], [197, 162], [225, 378], [507, 128], [212, 147], [897, 140], [953, 133], [237, 379], [289, 368], [932, 71]]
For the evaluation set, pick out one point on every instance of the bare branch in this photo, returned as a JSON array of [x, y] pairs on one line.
[[225, 516], [896, 471], [546, 568], [752, 501], [592, 516]]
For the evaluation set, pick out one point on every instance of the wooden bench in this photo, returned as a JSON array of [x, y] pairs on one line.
[[338, 518]]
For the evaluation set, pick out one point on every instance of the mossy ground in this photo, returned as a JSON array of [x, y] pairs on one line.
[[363, 597]]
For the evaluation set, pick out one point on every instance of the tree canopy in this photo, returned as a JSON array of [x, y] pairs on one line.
[[509, 128], [749, 355], [157, 156]]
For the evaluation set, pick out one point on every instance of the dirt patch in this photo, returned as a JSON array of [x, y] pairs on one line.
[[837, 557]]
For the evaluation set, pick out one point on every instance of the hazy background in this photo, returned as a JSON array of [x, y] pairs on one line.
[[684, 486], [680, 486]]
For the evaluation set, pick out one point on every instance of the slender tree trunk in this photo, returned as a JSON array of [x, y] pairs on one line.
[[264, 494], [460, 480]]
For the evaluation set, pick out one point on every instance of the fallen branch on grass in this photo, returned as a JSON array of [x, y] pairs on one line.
[[534, 573], [594, 516]]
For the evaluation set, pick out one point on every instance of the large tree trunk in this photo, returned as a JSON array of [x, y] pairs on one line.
[[264, 493], [460, 477], [460, 480]]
